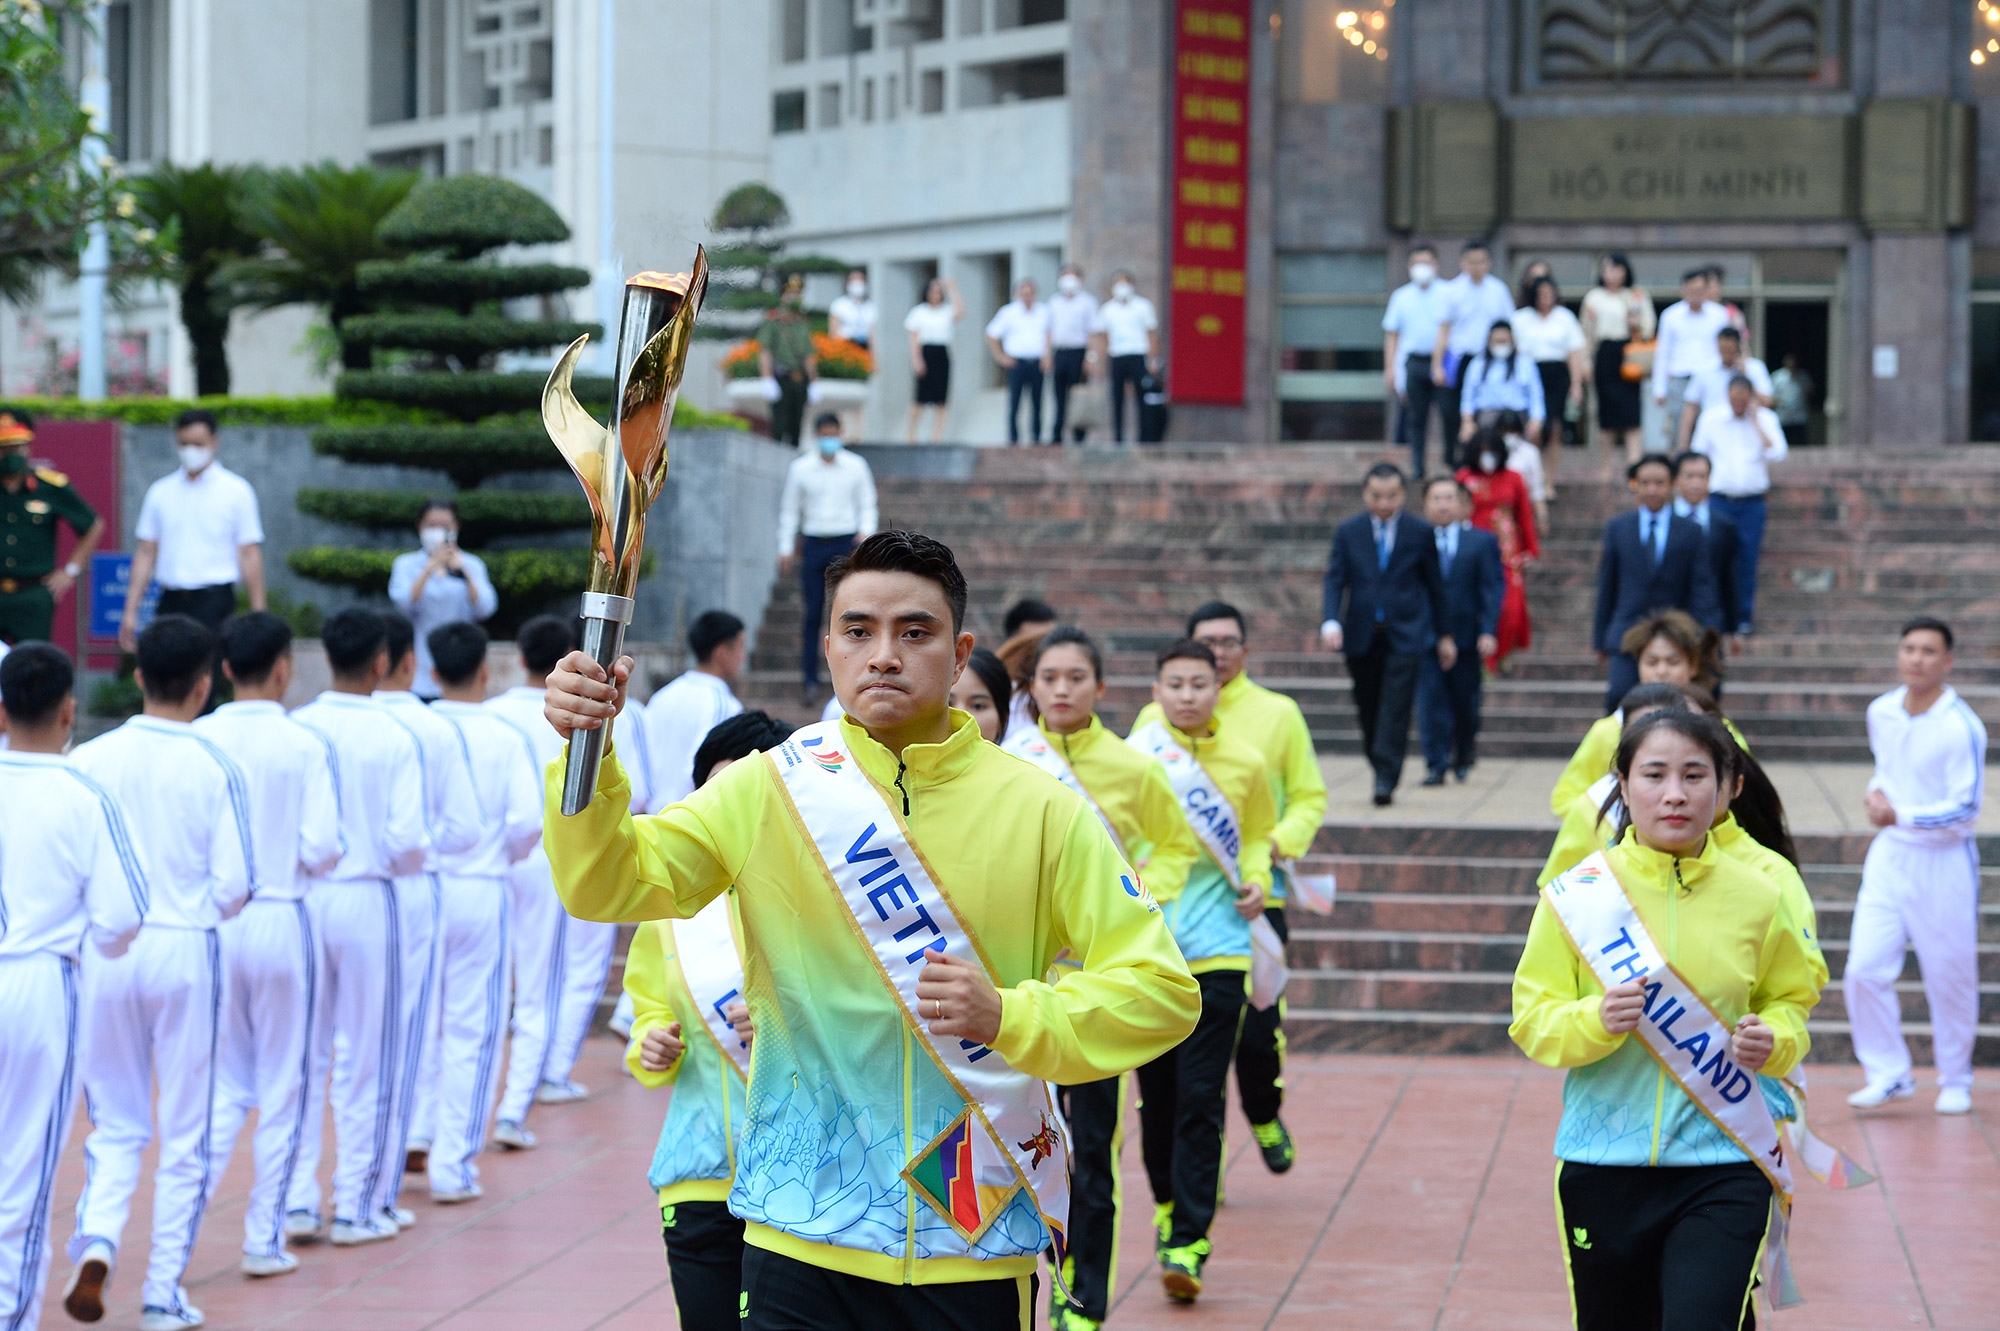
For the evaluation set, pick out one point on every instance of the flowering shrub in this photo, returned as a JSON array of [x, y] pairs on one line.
[[838, 359]]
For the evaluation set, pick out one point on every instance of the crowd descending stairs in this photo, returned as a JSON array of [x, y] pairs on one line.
[[1422, 943]]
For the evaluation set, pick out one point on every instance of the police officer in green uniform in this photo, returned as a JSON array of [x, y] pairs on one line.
[[31, 500]]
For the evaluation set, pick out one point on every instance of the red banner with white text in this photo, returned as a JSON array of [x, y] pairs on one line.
[[1211, 180]]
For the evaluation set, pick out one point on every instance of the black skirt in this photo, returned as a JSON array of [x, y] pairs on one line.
[[934, 385], [1617, 396]]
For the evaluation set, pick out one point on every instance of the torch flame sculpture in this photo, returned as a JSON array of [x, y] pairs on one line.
[[622, 468]]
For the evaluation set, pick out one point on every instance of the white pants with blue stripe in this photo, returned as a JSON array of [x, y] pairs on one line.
[[587, 949], [38, 1063], [538, 937], [273, 957], [1924, 897], [154, 1012], [460, 1079]]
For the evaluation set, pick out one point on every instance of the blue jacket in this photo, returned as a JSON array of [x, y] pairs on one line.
[[1630, 587], [1474, 588], [1409, 593]]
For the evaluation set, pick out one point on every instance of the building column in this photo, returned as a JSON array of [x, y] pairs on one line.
[[1910, 354]]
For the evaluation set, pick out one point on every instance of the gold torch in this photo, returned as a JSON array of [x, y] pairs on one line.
[[622, 468]]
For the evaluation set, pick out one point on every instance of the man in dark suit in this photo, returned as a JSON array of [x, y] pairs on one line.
[[1384, 606], [1691, 473], [1474, 582], [1652, 560]]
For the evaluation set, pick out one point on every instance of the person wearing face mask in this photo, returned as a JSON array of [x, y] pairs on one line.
[[1072, 313], [1409, 344], [439, 584], [828, 508], [852, 317], [32, 500], [1474, 301], [785, 355], [1495, 487], [199, 535], [1501, 378], [1131, 338]]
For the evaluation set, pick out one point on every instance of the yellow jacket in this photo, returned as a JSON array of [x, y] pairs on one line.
[[1582, 832], [1724, 927], [1593, 758], [1132, 791], [840, 1099]]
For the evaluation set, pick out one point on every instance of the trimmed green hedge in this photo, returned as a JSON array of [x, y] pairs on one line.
[[472, 452], [468, 396], [452, 281], [483, 514], [229, 410], [520, 576], [469, 214], [467, 337]]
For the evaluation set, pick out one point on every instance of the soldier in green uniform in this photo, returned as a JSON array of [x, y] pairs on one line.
[[31, 500], [785, 353]]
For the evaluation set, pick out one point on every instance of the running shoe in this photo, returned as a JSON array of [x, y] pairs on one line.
[[561, 1093], [1180, 1270], [304, 1226], [268, 1264], [170, 1319], [418, 1158], [1163, 1225], [513, 1136], [354, 1233], [1063, 1317], [1954, 1100], [1874, 1095], [83, 1297], [1275, 1141]]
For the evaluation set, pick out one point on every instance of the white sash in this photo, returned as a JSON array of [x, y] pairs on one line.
[[1208, 811], [1309, 891], [1011, 1136], [713, 973], [1682, 1032], [1031, 744]]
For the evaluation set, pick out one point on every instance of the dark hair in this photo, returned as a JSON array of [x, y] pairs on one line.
[[1701, 646], [399, 635], [1385, 471], [1730, 331], [992, 672], [251, 644], [1703, 730], [197, 416], [458, 649], [1067, 636], [904, 552], [351, 638], [1027, 610], [1488, 439], [1695, 275], [1624, 264], [175, 653], [436, 502], [1533, 287], [1217, 610], [1421, 248], [740, 736], [1187, 649], [1652, 697], [1760, 811], [1513, 348], [1649, 460], [1932, 623], [544, 641], [1743, 380], [825, 420], [1475, 244], [1508, 421], [1681, 460], [34, 680], [712, 629]]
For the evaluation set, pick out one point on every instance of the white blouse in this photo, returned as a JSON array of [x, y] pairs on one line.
[[1545, 337]]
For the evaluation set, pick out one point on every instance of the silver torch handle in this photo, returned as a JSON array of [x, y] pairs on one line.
[[604, 621]]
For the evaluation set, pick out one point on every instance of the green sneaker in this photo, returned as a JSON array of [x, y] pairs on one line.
[[1180, 1270], [1063, 1317], [1276, 1144], [1163, 1224]]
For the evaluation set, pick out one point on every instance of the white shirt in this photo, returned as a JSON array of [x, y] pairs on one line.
[[1071, 319], [931, 323], [1932, 767], [520, 709], [676, 720], [1472, 312], [446, 599], [67, 864], [856, 318], [826, 498], [188, 810], [1021, 330], [1736, 450], [450, 806], [378, 771], [1525, 461], [1686, 341], [506, 784], [294, 810], [1710, 388], [1126, 324], [1547, 337], [636, 756], [1697, 513], [1413, 315], [199, 525]]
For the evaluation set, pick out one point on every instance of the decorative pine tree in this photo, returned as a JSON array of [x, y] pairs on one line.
[[437, 328]]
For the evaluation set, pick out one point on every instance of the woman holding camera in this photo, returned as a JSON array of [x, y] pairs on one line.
[[439, 583]]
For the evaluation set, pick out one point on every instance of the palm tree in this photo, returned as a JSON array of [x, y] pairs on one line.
[[197, 212], [320, 223]]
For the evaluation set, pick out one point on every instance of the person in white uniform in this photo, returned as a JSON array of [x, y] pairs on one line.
[[1920, 882], [154, 1013], [362, 922], [679, 716], [270, 949], [463, 1081], [67, 872], [451, 809]]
